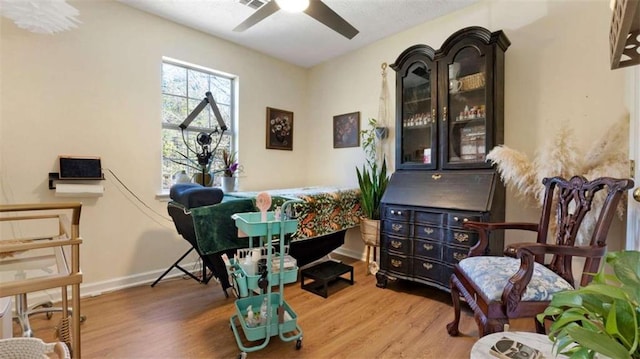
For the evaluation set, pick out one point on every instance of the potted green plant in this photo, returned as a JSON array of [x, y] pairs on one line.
[[372, 180], [603, 317]]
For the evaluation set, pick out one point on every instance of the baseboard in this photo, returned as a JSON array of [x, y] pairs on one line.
[[98, 288], [146, 278], [351, 253]]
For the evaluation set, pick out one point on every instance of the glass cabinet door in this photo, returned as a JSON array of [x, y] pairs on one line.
[[465, 124], [418, 124]]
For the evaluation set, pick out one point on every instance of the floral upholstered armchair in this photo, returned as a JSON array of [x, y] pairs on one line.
[[521, 284]]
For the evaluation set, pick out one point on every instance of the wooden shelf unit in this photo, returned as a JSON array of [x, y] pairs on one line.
[[68, 235]]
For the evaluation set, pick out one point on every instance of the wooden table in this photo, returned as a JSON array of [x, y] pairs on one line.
[[480, 349]]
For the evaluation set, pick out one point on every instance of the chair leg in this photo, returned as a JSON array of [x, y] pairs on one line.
[[22, 315], [452, 328], [23, 311], [540, 329]]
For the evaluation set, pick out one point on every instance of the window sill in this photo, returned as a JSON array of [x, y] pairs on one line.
[[163, 197]]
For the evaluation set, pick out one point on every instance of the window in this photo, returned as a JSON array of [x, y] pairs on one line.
[[183, 88]]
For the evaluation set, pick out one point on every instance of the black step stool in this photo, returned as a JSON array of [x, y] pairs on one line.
[[322, 274]]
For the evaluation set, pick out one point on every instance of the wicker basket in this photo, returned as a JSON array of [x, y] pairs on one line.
[[32, 348], [472, 82], [369, 230]]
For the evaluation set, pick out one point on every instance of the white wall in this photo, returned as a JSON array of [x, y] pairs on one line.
[[96, 91], [557, 72]]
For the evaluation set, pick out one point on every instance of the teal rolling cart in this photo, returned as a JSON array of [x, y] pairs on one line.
[[281, 319]]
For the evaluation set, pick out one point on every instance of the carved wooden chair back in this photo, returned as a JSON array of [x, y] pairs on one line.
[[578, 206]]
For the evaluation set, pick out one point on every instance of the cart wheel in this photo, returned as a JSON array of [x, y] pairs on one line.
[[298, 344], [242, 355]]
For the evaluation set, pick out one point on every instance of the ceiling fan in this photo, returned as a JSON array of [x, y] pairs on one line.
[[316, 9]]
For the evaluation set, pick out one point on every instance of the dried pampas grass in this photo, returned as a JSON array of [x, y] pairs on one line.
[[560, 157], [516, 170]]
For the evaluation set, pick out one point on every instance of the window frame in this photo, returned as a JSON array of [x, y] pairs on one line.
[[193, 129]]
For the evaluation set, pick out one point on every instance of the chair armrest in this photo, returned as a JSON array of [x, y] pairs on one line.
[[485, 228], [540, 249], [529, 253]]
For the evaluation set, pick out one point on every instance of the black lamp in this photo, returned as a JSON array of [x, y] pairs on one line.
[[204, 139], [196, 111]]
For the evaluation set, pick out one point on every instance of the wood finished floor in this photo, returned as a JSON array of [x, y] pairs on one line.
[[180, 318]]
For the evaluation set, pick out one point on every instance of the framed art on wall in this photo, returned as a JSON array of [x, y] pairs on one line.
[[279, 129], [346, 130]]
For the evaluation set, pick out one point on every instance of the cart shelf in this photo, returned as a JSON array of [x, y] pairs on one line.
[[260, 332], [289, 276], [251, 223]]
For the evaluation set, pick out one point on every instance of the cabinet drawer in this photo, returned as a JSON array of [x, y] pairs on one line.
[[457, 219], [446, 273], [428, 269], [396, 228], [397, 214], [427, 249], [454, 255], [429, 232], [395, 263], [396, 244], [429, 217], [462, 238]]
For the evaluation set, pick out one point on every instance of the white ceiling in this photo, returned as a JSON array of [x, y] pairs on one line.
[[298, 38]]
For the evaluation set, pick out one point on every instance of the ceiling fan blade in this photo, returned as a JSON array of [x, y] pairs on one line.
[[321, 12], [260, 14]]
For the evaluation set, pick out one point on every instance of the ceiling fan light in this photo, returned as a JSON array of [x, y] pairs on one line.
[[293, 5], [40, 16]]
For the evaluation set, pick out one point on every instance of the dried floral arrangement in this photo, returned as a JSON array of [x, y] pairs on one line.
[[560, 157]]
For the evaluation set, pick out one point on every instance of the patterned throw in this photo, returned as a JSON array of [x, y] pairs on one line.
[[323, 210]]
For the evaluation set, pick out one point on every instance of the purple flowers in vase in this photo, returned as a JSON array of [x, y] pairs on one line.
[[230, 165]]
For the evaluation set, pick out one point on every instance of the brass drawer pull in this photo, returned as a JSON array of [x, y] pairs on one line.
[[427, 247], [428, 230], [396, 244], [427, 265], [461, 237], [396, 227], [399, 213], [396, 263], [459, 256], [464, 220], [436, 176]]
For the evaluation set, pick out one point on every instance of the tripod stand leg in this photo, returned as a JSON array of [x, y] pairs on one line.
[[176, 265]]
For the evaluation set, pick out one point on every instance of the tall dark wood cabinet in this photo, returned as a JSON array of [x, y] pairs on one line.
[[449, 114]]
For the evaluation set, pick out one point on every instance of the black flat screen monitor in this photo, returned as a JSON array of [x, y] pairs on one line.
[[80, 167]]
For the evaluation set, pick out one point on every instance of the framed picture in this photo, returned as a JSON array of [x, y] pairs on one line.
[[279, 129], [346, 130]]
